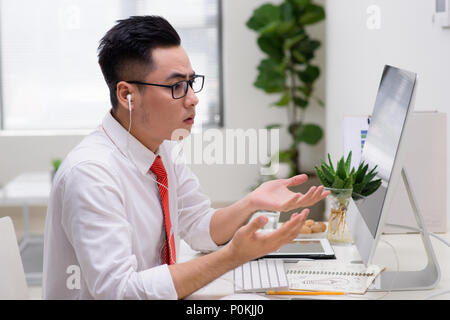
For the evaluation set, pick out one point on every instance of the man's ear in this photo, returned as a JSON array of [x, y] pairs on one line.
[[123, 90]]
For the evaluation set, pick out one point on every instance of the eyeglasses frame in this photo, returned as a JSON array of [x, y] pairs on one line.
[[189, 82]]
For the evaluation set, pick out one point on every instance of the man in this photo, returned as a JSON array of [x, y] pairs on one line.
[[119, 198]]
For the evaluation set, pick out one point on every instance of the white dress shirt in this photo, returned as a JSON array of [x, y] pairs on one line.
[[104, 229]]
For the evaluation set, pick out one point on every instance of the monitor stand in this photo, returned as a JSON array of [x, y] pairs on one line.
[[426, 278]]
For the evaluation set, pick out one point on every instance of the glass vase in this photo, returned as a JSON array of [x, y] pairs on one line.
[[337, 228]]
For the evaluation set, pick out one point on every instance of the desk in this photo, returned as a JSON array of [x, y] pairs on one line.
[[411, 255], [29, 189]]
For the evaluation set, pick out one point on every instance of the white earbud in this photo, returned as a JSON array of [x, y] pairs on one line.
[[129, 101], [129, 109]]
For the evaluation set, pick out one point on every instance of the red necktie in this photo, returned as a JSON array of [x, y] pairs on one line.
[[169, 249]]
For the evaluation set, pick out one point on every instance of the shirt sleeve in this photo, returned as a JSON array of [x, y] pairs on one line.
[[195, 211], [94, 220]]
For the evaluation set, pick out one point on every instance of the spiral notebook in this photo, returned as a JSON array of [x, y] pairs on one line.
[[332, 276]]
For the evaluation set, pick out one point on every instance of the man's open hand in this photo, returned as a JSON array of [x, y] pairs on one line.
[[274, 195], [248, 243]]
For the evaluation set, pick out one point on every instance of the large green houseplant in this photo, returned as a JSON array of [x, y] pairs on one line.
[[288, 70]]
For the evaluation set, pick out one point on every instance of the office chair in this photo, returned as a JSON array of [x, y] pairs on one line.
[[13, 284]]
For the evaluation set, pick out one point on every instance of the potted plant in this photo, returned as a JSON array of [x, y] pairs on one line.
[[345, 183], [55, 165], [288, 70]]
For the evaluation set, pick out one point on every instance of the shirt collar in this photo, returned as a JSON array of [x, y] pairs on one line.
[[128, 145]]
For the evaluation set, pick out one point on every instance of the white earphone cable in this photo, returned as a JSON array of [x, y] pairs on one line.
[[127, 151]]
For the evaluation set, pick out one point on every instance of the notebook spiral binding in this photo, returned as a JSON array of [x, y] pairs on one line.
[[333, 273]]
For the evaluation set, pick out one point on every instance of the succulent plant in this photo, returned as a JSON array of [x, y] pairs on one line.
[[344, 177], [363, 184], [341, 178]]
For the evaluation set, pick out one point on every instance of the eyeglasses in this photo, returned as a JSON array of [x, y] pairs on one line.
[[179, 89]]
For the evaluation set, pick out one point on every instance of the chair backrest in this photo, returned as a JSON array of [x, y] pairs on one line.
[[12, 276]]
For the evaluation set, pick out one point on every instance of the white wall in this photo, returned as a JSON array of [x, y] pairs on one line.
[[32, 151], [407, 38], [245, 107]]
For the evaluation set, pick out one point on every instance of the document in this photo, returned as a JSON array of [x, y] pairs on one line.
[[332, 276]]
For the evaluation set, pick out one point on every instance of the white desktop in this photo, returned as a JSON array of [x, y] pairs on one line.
[[384, 147]]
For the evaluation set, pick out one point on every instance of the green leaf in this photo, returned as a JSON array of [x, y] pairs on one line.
[[358, 178], [363, 180], [369, 177], [357, 188], [263, 16], [313, 14], [306, 47], [270, 29], [371, 187], [271, 77], [352, 174], [308, 133], [323, 163], [300, 102], [348, 183], [373, 171], [348, 162], [310, 74], [361, 172], [284, 101], [340, 170], [272, 46], [289, 42], [338, 183], [301, 3], [322, 177], [305, 90], [287, 12], [331, 163], [328, 174], [298, 56]]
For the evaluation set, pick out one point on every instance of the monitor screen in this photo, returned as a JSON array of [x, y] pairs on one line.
[[383, 137]]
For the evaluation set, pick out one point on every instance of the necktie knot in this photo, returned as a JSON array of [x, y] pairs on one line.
[[158, 168]]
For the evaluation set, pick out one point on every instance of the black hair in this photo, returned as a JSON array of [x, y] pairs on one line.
[[125, 50]]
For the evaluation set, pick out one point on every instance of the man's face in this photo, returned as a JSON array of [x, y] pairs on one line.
[[159, 113]]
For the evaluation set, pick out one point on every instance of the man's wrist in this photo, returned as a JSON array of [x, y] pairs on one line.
[[249, 204], [230, 256]]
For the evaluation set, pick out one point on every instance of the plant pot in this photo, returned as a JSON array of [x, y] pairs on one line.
[[338, 204]]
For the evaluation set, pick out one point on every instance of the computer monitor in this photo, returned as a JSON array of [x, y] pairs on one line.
[[384, 147]]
